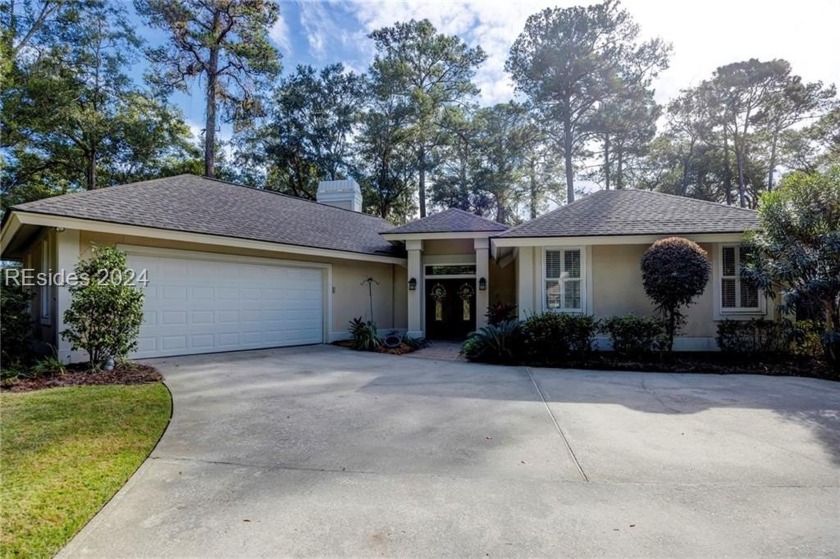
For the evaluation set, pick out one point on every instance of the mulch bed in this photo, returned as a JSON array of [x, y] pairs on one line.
[[401, 349], [79, 375], [711, 363]]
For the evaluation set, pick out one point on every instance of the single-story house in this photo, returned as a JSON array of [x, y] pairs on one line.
[[234, 268]]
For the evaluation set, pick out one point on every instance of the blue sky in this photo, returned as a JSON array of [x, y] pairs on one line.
[[705, 35]]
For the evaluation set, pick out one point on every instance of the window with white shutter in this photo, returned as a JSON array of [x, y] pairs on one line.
[[563, 280], [736, 295]]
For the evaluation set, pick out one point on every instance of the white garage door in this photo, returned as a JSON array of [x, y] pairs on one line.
[[205, 306]]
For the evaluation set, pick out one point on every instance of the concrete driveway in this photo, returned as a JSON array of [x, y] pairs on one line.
[[325, 452]]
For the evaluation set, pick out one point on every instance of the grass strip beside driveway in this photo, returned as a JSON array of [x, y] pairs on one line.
[[65, 452]]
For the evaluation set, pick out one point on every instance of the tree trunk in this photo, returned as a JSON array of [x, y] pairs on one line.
[[741, 154], [90, 170], [727, 168], [533, 187], [421, 158], [606, 161], [742, 200], [210, 116], [568, 144], [686, 165], [619, 177], [772, 161]]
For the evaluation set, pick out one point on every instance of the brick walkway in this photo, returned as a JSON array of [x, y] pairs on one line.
[[440, 350]]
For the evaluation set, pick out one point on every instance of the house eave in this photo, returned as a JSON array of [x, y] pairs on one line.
[[702, 237], [439, 235], [19, 219]]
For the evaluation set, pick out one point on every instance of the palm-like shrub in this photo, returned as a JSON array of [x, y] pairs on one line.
[[493, 344], [365, 335], [674, 272]]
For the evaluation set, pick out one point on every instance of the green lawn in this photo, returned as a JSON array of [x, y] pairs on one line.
[[64, 453]]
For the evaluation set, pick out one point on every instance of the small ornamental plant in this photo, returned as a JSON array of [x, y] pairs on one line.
[[674, 272], [106, 309]]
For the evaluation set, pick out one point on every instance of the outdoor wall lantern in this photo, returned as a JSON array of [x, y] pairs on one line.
[[482, 284], [412, 284]]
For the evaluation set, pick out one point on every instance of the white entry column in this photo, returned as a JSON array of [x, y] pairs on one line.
[[482, 271], [415, 296]]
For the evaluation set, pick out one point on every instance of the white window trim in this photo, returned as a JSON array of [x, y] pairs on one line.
[[585, 277], [449, 276], [722, 312], [46, 290]]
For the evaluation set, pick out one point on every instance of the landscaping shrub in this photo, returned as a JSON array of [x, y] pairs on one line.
[[805, 338], [551, 338], [106, 310], [15, 323], [494, 344], [674, 272], [754, 337], [365, 335], [632, 335], [500, 312], [796, 251]]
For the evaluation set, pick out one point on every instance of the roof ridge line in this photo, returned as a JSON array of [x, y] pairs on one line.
[[231, 183], [689, 198], [557, 209]]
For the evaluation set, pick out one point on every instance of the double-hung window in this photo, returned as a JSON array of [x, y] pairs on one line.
[[736, 295], [563, 280]]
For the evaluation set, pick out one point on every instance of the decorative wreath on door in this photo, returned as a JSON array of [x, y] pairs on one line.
[[438, 293], [465, 292]]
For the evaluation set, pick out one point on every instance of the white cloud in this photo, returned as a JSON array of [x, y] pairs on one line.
[[705, 35], [324, 32], [196, 129], [281, 35]]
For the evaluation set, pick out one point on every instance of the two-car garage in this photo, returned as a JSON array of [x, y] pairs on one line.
[[202, 303]]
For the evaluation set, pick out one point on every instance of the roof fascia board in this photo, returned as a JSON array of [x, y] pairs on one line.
[[46, 220], [10, 229], [439, 236], [612, 239]]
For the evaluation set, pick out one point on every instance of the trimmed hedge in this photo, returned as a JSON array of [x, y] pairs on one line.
[[554, 338], [634, 336]]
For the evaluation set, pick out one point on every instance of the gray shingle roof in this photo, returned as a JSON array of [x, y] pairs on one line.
[[636, 212], [452, 220], [202, 205]]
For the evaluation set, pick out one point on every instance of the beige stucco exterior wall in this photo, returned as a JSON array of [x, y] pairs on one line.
[[618, 290], [448, 246], [614, 287], [349, 298], [502, 283]]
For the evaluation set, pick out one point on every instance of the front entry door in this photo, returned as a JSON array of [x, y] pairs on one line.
[[450, 308]]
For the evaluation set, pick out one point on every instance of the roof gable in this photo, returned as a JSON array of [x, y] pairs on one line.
[[636, 212], [452, 220], [202, 205]]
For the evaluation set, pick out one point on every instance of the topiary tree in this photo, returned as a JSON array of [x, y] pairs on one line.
[[797, 250], [674, 272], [106, 309]]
